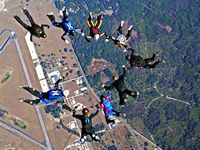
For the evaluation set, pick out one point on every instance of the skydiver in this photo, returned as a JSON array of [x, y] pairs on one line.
[[138, 61], [86, 120], [94, 27], [34, 29], [120, 85], [66, 25], [121, 39], [110, 114], [53, 95]]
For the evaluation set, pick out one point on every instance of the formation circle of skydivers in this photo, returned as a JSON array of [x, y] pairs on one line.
[[56, 94]]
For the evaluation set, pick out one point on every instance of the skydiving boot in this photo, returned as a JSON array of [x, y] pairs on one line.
[[82, 140], [130, 28], [135, 94], [95, 137], [122, 23]]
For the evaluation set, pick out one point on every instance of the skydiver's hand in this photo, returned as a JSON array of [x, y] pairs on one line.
[[125, 50], [82, 34]]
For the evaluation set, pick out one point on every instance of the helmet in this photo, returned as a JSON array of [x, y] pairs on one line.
[[85, 111], [102, 97], [96, 37], [72, 33]]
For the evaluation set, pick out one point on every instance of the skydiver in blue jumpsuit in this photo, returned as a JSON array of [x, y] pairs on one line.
[[66, 24], [53, 95], [110, 113]]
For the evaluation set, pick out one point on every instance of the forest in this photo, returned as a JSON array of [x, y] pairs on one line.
[[169, 27]]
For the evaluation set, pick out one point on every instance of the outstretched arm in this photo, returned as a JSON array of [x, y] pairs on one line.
[[94, 114], [76, 116], [110, 87], [108, 97], [124, 72]]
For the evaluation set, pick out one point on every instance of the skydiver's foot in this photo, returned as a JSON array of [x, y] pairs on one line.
[[130, 28], [25, 10], [64, 8], [67, 42], [82, 140], [26, 101], [128, 57], [24, 86], [91, 15], [21, 100], [122, 23], [156, 54], [50, 14], [135, 94], [95, 137], [125, 100], [110, 126]]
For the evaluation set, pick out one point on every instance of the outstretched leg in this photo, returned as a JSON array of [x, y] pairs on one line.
[[152, 58], [89, 21], [94, 136], [65, 14], [131, 93], [152, 65], [122, 99], [130, 29], [31, 102], [29, 16], [21, 22], [99, 21], [83, 136], [120, 27], [63, 36], [31, 90]]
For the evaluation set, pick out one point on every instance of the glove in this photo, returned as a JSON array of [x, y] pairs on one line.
[[82, 34]]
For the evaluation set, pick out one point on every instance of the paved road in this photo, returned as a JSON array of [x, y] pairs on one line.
[[134, 131], [5, 43], [20, 133], [3, 124], [84, 77], [39, 115]]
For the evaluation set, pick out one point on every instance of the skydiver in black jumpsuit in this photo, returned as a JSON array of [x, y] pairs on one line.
[[120, 85], [139, 61], [86, 121], [34, 29]]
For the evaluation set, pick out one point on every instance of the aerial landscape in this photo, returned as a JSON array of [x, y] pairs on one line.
[[59, 74]]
